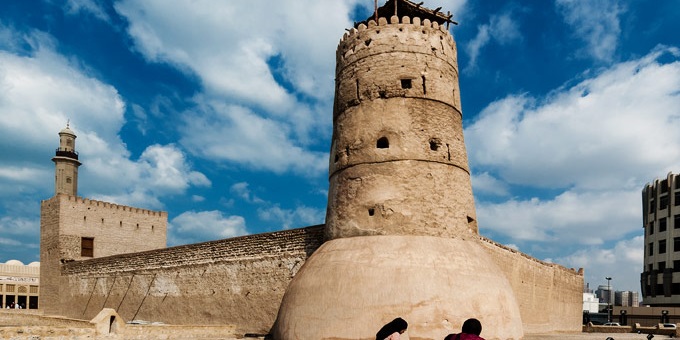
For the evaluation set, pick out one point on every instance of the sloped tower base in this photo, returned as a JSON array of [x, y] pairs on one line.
[[350, 287]]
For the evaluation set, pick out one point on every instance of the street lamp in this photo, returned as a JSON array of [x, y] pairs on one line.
[[609, 299]]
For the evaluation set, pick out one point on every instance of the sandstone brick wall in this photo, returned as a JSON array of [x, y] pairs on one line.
[[549, 295], [115, 229], [238, 281]]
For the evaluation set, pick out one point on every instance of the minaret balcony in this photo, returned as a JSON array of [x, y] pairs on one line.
[[66, 153]]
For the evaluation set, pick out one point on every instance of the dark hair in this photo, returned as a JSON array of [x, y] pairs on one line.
[[396, 325], [472, 326]]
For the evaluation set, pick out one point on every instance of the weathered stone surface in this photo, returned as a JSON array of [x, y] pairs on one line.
[[238, 281], [350, 287]]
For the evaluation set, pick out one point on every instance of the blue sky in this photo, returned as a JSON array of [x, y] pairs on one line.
[[219, 112]]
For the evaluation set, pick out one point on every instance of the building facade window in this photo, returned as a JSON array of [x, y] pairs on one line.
[[676, 198], [662, 246], [662, 224], [676, 221], [87, 247], [661, 265], [676, 244], [663, 202], [651, 228], [650, 249], [676, 265]]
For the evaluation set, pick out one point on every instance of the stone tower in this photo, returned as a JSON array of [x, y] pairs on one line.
[[402, 237], [73, 228], [398, 164], [66, 164]]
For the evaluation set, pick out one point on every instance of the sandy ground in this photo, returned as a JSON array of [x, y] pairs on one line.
[[593, 336]]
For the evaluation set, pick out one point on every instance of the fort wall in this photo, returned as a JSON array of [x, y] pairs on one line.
[[112, 229], [238, 281], [241, 281], [549, 295]]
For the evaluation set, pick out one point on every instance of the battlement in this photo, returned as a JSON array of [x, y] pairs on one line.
[[407, 35], [112, 206], [250, 247]]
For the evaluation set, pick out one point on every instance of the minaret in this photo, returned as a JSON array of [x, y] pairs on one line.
[[66, 164]]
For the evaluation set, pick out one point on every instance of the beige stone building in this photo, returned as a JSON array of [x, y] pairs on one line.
[[73, 228], [19, 284], [400, 237], [660, 278]]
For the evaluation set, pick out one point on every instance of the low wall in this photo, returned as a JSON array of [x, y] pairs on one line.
[[241, 282], [550, 296], [238, 281]]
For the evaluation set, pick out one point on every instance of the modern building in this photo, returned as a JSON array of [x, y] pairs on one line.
[[626, 299], [660, 278], [605, 294], [591, 303], [19, 284]]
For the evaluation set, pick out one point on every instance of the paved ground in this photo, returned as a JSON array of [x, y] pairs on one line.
[[593, 336]]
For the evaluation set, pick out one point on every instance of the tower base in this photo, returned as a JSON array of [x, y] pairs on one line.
[[350, 287]]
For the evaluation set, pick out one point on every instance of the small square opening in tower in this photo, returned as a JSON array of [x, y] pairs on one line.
[[406, 83]]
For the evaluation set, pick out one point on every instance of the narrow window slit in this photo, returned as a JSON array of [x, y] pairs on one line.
[[424, 88], [371, 211], [383, 143]]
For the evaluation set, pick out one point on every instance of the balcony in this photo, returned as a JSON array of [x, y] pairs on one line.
[[64, 153]]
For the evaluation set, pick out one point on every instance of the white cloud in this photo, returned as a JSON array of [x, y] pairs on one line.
[[232, 60], [73, 7], [241, 189], [18, 226], [41, 92], [588, 218], [238, 135], [192, 227], [501, 29], [596, 23], [613, 130], [485, 183], [623, 262], [299, 217], [584, 153]]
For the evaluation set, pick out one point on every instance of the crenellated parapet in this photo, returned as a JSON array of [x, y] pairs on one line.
[[113, 206], [407, 34], [426, 68]]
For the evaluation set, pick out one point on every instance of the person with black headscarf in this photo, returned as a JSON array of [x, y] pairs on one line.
[[392, 330]]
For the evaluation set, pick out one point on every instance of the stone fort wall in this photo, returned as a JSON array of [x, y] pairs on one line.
[[238, 281], [549, 295], [241, 281], [114, 229]]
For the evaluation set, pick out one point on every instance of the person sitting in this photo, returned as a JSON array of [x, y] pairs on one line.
[[470, 331], [392, 330]]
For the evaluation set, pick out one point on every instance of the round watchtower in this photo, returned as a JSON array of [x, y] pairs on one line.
[[400, 202], [398, 164], [66, 164]]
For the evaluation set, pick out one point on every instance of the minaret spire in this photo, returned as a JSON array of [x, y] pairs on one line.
[[66, 163]]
